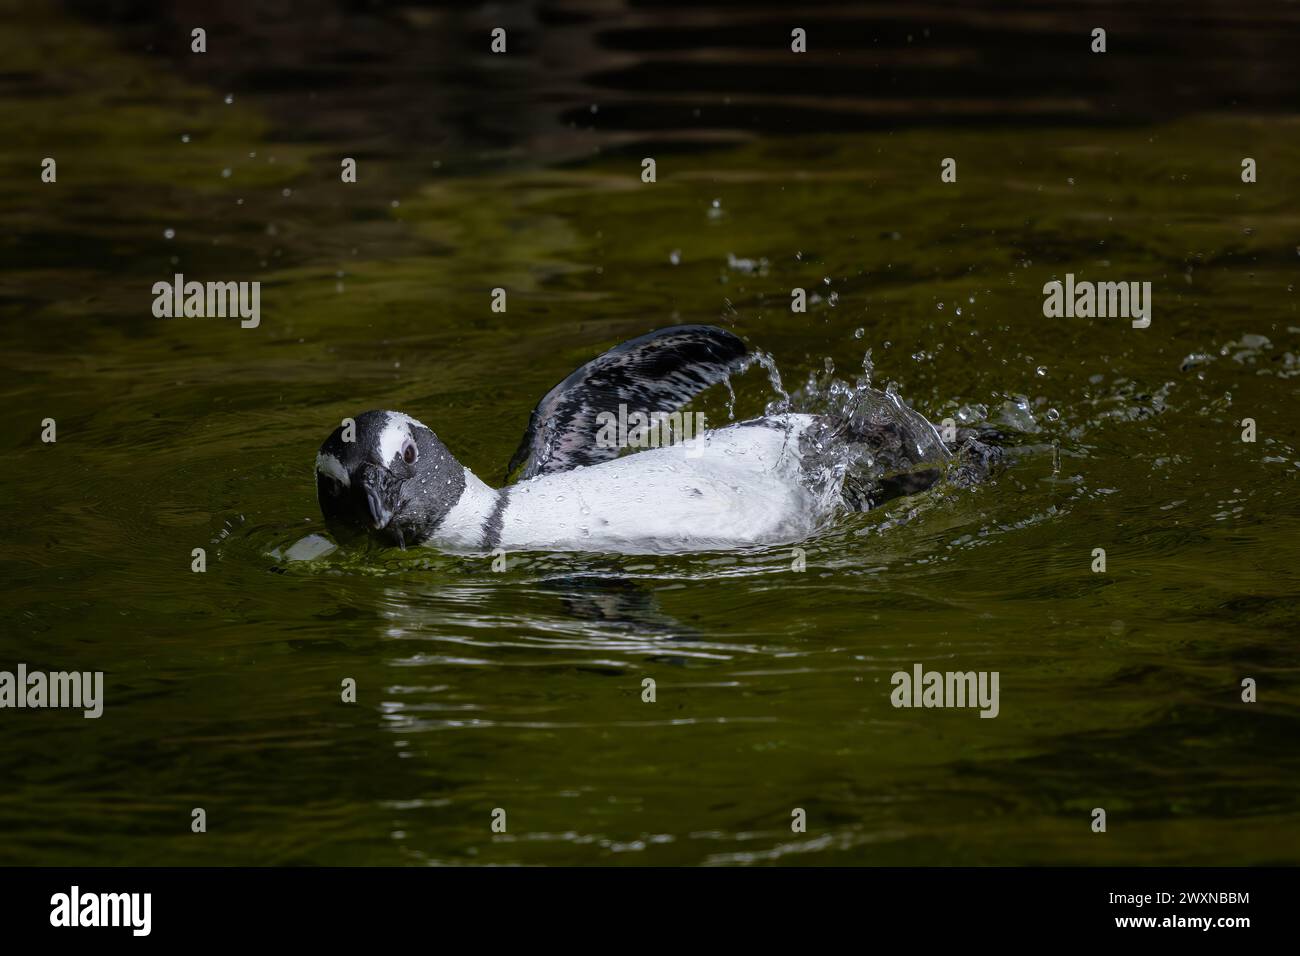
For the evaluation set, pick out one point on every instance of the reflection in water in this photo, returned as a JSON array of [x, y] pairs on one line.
[[617, 602]]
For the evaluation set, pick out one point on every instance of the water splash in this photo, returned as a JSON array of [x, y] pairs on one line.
[[870, 446], [781, 403]]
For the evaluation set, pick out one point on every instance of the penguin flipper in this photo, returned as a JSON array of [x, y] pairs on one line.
[[656, 373]]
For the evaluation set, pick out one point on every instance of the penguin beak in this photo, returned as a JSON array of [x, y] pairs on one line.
[[373, 487], [379, 514]]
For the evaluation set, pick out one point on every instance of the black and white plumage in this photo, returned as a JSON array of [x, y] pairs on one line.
[[657, 372], [395, 479], [749, 483]]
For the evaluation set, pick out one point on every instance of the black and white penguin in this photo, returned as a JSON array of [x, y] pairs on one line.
[[770, 480]]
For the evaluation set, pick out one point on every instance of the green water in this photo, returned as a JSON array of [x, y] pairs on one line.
[[522, 690]]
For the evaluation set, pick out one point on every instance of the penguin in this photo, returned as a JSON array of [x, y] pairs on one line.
[[771, 480]]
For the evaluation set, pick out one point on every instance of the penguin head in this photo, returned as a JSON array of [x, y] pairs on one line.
[[386, 475]]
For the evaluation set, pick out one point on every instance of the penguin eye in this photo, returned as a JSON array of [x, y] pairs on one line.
[[409, 453]]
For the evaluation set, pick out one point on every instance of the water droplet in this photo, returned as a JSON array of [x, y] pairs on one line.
[[169, 233], [675, 257], [1053, 415], [185, 137], [286, 192], [858, 333], [225, 173], [1041, 371], [230, 98]]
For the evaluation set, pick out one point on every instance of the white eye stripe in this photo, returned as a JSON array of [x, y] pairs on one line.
[[391, 441], [332, 467], [396, 433]]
